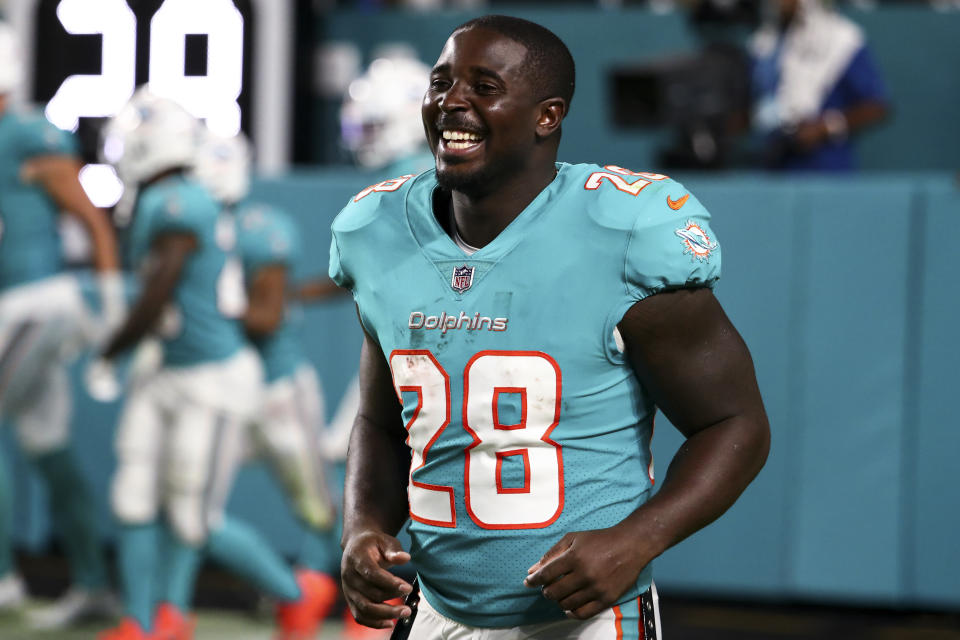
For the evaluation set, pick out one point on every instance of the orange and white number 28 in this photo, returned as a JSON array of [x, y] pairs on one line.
[[536, 380]]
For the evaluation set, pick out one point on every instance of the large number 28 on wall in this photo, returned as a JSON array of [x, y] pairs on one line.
[[211, 96], [531, 375]]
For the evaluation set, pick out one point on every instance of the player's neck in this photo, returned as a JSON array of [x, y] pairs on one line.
[[480, 219]]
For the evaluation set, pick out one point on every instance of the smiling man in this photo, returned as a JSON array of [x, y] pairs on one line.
[[523, 321]]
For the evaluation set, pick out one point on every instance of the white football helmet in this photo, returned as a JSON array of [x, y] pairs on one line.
[[11, 59], [149, 135], [223, 166], [380, 118]]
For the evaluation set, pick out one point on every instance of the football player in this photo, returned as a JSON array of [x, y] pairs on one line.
[[45, 317], [523, 321], [287, 431], [181, 424]]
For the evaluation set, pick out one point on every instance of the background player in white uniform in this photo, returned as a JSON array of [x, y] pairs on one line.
[[287, 430], [180, 427], [380, 117], [380, 127], [47, 315], [529, 485]]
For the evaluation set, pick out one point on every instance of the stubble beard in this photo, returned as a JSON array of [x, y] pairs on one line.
[[473, 184]]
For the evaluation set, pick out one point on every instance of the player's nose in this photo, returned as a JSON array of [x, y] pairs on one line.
[[453, 98]]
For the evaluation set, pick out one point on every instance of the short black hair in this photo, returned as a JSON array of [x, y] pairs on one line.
[[551, 69]]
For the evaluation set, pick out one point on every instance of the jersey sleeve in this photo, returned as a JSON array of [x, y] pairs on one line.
[[274, 242], [40, 137], [863, 78], [175, 212], [336, 270], [671, 244]]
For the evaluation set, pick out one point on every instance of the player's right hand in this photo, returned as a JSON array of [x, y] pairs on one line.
[[367, 584]]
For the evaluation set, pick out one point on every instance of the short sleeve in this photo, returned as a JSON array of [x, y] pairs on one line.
[[336, 270], [671, 245], [40, 137], [173, 214]]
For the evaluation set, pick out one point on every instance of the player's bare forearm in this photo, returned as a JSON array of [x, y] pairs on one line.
[[265, 301], [376, 480], [706, 476], [166, 264], [375, 501], [59, 176]]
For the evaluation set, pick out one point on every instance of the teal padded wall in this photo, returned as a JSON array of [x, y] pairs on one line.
[[932, 556], [843, 290], [852, 349], [754, 227]]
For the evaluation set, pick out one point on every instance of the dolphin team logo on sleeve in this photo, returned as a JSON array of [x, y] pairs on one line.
[[462, 278], [696, 241]]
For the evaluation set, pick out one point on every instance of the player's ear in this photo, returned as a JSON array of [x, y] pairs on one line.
[[550, 115]]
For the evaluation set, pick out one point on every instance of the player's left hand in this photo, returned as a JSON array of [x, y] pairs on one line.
[[810, 135], [586, 572]]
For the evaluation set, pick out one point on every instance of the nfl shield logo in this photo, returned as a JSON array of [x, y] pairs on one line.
[[462, 278]]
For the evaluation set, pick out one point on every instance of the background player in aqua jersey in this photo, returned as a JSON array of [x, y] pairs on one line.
[[287, 430], [523, 320], [180, 427], [45, 316]]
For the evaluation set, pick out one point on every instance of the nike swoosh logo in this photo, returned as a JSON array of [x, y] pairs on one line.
[[676, 204]]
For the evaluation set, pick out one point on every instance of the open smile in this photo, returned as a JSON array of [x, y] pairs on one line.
[[459, 142]]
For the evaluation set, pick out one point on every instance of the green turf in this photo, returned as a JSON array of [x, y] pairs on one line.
[[211, 625]]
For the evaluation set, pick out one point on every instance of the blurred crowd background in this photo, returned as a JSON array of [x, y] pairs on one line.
[[821, 136]]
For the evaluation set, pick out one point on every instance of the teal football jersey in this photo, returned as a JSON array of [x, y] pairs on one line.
[[203, 322], [29, 238], [525, 420], [268, 236]]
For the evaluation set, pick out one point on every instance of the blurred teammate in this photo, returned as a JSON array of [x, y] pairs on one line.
[[182, 425], [286, 433], [45, 318], [380, 126], [523, 320], [380, 117]]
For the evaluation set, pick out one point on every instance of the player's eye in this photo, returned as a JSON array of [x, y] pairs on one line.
[[439, 84]]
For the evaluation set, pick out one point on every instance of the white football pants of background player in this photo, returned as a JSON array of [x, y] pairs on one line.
[[287, 435], [179, 442], [42, 325]]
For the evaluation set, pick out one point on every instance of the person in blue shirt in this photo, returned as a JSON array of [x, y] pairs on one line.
[[816, 86], [523, 320], [47, 315]]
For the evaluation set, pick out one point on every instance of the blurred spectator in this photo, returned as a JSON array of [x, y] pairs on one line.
[[816, 85]]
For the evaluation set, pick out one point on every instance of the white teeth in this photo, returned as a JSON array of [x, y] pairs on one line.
[[460, 135]]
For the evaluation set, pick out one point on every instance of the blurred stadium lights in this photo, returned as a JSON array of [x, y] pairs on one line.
[[227, 61], [102, 185]]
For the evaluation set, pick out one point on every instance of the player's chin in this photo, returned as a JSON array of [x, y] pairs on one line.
[[463, 177]]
